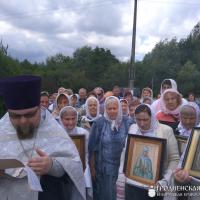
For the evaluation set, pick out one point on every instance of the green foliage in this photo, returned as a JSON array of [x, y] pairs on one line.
[[91, 67], [173, 59], [188, 77]]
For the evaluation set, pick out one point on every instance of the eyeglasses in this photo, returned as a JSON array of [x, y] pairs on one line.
[[27, 115]]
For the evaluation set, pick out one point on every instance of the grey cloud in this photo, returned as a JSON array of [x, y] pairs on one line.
[[102, 20], [66, 25]]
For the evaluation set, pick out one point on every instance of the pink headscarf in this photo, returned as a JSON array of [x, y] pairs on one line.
[[164, 109]]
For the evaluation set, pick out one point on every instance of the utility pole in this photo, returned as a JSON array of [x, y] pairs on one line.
[[132, 67]]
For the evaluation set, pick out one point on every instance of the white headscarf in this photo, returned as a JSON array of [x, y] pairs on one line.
[[88, 116], [173, 85], [114, 123], [154, 122], [58, 96], [66, 109], [147, 98], [183, 131], [70, 97], [56, 111]]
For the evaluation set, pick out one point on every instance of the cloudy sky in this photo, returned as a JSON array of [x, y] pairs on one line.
[[36, 29]]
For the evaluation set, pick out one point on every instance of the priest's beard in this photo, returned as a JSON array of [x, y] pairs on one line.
[[25, 132]]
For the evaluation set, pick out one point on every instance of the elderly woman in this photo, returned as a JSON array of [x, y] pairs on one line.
[[166, 84], [147, 125], [189, 118], [68, 119], [183, 178], [171, 101], [62, 100], [147, 100], [92, 112], [106, 142]]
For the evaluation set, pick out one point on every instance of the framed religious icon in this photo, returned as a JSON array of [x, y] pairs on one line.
[[191, 161], [144, 159], [181, 141], [79, 141]]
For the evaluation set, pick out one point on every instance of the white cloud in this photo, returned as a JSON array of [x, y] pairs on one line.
[[37, 30]]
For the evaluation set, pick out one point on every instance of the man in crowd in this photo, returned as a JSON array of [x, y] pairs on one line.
[[30, 134], [82, 97], [116, 91]]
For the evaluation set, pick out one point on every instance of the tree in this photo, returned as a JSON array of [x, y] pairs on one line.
[[162, 62], [188, 78]]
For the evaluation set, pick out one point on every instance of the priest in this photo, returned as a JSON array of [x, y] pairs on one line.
[[31, 135]]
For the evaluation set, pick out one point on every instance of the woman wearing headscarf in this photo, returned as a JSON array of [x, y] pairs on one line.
[[146, 92], [73, 100], [82, 109], [171, 101], [62, 100], [147, 125], [106, 142], [189, 119], [92, 112], [147, 100], [166, 84], [68, 119]]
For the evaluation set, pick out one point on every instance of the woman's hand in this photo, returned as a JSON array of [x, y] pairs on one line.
[[182, 176]]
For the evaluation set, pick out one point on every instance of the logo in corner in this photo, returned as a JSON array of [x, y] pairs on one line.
[[151, 192]]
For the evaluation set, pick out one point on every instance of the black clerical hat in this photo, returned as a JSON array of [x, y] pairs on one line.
[[21, 92]]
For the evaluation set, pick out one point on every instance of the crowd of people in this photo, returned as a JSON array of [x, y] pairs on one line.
[[37, 127]]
